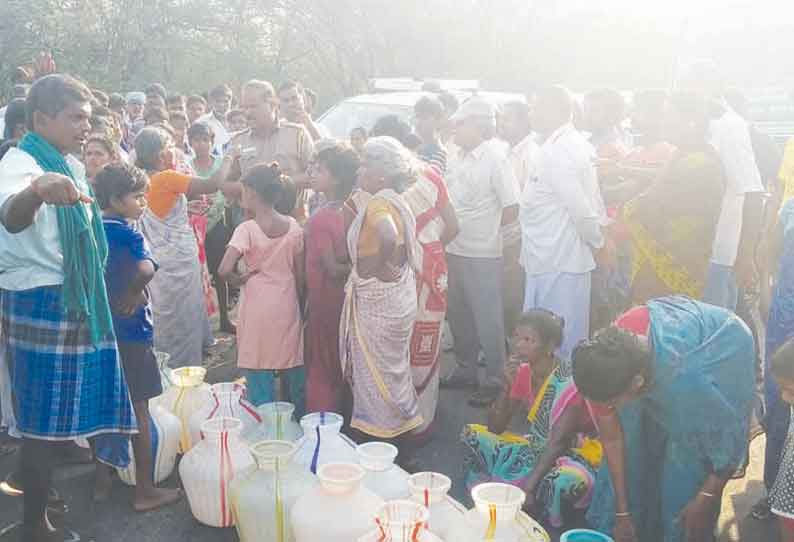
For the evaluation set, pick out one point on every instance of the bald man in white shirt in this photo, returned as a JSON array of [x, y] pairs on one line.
[[562, 215]]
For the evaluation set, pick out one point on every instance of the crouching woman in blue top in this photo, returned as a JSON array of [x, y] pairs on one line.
[[120, 191], [671, 385]]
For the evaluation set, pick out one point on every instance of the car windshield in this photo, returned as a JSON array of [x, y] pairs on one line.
[[341, 119]]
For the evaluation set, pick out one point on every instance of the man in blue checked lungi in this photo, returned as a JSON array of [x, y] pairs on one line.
[[57, 331]]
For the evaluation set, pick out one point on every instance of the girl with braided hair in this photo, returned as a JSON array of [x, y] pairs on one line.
[[270, 245]]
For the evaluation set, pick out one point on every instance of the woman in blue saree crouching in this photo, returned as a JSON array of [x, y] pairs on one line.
[[671, 385]]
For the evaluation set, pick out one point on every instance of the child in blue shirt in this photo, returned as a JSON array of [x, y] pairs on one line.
[[120, 191]]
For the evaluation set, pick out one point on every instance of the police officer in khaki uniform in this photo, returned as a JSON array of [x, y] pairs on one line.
[[270, 139]]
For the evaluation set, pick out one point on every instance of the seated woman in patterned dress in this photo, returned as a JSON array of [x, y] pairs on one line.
[[554, 462]]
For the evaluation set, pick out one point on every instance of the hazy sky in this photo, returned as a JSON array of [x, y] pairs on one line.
[[703, 15]]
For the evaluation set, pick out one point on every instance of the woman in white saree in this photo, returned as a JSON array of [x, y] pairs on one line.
[[381, 302]]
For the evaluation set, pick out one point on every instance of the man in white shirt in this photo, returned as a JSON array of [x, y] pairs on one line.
[[515, 129], [561, 219], [60, 352], [220, 102], [483, 191], [732, 258], [740, 216]]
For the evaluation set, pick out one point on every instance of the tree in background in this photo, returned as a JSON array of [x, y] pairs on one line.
[[335, 46]]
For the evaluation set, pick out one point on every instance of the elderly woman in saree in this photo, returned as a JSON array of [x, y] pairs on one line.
[[672, 224], [181, 324], [380, 296], [671, 386], [436, 226]]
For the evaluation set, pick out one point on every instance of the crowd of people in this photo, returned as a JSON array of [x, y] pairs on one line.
[[598, 265]]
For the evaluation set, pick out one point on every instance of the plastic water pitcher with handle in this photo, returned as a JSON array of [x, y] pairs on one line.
[[431, 489], [263, 495], [208, 469], [497, 517], [226, 401], [401, 521], [187, 394], [277, 424], [322, 442], [165, 430], [339, 509]]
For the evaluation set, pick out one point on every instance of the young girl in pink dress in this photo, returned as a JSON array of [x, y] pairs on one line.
[[269, 330]]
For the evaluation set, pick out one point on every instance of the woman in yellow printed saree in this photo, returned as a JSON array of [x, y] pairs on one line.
[[672, 224]]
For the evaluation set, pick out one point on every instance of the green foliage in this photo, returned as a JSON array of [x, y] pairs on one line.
[[334, 46]]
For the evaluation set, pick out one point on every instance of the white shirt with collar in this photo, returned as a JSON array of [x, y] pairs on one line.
[[481, 184], [561, 208], [523, 159], [222, 135], [730, 136], [32, 258]]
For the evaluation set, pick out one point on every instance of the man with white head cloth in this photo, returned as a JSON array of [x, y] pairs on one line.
[[484, 192]]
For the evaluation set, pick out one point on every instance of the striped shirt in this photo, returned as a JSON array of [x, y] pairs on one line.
[[435, 155]]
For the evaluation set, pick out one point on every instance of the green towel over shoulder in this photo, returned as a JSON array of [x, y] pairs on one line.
[[84, 247]]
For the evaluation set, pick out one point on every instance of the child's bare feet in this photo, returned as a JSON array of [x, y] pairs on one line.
[[155, 498]]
